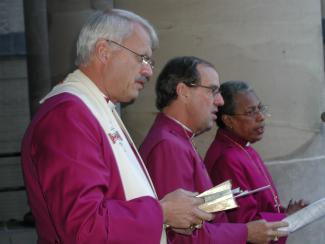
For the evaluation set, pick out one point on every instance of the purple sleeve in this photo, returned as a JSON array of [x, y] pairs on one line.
[[83, 194], [171, 167], [231, 167]]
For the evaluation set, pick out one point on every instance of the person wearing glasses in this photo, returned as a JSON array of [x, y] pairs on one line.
[[241, 122], [85, 180], [188, 98]]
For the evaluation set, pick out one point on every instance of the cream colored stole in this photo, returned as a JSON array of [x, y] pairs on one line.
[[135, 178]]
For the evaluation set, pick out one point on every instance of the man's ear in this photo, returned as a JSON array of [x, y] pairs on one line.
[[182, 91], [227, 120], [102, 51]]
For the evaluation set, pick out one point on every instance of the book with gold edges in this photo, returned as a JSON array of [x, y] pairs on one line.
[[222, 197]]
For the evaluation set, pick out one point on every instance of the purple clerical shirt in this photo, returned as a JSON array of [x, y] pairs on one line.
[[173, 163], [73, 183], [230, 157]]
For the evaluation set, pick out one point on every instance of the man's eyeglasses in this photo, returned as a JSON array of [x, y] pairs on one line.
[[144, 59], [214, 89], [254, 112]]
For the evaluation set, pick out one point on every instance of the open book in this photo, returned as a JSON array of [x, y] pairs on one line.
[[305, 216], [222, 197]]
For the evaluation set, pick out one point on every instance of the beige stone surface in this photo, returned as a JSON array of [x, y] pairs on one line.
[[301, 178], [275, 45]]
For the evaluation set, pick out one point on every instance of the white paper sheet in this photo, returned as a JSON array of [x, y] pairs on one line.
[[305, 216]]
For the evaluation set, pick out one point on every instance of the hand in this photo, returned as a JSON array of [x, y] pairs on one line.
[[187, 231], [295, 206], [261, 231], [181, 210]]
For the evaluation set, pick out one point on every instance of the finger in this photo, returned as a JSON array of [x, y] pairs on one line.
[[302, 203], [202, 215], [280, 233], [275, 238], [195, 200], [183, 231], [277, 224], [200, 225], [198, 200], [189, 193]]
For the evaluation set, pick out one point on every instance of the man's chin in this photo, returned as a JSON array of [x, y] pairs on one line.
[[130, 99], [205, 129], [125, 104]]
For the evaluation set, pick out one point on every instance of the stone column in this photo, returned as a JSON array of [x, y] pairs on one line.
[[38, 67], [71, 14]]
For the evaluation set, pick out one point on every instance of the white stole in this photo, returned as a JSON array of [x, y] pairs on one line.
[[135, 178]]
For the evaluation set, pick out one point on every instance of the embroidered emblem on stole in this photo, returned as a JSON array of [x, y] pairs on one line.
[[115, 136]]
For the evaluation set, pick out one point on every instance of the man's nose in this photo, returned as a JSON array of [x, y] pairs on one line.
[[218, 100], [146, 70]]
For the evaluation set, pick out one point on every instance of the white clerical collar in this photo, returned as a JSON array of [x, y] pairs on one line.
[[95, 88], [181, 124], [79, 77]]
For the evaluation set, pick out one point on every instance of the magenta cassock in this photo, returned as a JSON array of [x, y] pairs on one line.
[[173, 163], [73, 183]]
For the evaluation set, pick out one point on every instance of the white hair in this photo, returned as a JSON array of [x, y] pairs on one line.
[[112, 24]]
